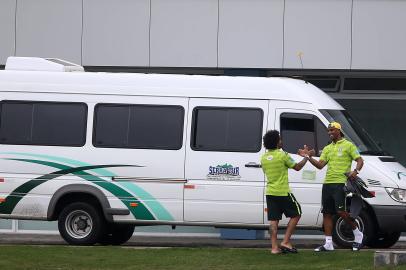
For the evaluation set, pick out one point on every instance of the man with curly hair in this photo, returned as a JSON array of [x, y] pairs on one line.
[[279, 199]]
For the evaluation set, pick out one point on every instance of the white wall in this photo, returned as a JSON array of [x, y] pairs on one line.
[[184, 33], [332, 34], [7, 29], [49, 28], [250, 33], [321, 30], [116, 32], [379, 34]]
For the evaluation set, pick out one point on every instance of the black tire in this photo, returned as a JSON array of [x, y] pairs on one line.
[[81, 223], [117, 234], [342, 231], [384, 240]]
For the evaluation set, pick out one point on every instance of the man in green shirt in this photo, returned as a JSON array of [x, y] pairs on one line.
[[339, 155], [275, 164]]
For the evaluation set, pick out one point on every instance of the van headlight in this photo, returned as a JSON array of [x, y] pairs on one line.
[[397, 194]]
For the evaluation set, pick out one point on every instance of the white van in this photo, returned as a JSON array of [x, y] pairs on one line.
[[102, 152]]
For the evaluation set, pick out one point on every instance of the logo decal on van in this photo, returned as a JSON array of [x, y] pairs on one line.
[[224, 172]]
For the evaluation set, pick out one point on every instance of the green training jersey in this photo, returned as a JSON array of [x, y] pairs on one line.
[[339, 157], [275, 164]]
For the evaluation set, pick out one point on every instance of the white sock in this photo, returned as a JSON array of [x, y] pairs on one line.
[[358, 236], [329, 243]]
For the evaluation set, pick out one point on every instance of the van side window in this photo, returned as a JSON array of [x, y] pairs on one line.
[[302, 129], [138, 126], [227, 129], [43, 123], [322, 137]]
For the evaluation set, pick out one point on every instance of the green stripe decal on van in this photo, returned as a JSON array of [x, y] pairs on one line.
[[100, 171], [154, 205], [139, 212]]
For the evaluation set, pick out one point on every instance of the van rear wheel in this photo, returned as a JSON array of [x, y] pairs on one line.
[[81, 223], [117, 234], [342, 231]]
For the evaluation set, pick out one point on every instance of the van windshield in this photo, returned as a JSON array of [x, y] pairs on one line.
[[354, 132]]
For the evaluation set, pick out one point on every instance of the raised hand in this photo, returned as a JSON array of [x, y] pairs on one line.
[[305, 152], [312, 153]]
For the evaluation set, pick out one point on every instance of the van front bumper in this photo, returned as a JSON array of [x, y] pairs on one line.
[[391, 218]]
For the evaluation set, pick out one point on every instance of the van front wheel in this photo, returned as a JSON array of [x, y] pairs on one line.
[[342, 231], [81, 223], [384, 240]]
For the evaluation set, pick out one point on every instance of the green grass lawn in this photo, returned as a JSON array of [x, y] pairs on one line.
[[69, 257]]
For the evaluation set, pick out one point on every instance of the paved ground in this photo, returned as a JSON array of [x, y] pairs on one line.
[[172, 241]]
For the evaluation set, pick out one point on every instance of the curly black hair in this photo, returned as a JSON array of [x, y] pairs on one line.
[[271, 139]]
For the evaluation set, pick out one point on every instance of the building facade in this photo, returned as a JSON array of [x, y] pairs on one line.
[[352, 49]]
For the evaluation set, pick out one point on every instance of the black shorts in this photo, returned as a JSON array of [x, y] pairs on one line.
[[333, 198], [278, 205]]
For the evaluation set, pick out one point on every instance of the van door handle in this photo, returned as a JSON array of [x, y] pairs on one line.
[[253, 165]]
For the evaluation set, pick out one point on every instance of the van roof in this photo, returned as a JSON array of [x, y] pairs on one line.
[[166, 85]]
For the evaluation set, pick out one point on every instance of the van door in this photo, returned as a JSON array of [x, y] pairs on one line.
[[300, 127], [148, 134], [224, 180]]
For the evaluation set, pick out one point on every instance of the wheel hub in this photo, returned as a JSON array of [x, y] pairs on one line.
[[79, 224], [344, 230]]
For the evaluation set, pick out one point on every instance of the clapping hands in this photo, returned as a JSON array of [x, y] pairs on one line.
[[305, 152]]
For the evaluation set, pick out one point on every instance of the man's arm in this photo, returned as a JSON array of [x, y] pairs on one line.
[[319, 164], [360, 164], [305, 152], [299, 166]]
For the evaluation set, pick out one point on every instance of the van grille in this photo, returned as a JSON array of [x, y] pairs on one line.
[[373, 182]]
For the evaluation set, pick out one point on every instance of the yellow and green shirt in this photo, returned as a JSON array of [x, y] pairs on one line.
[[339, 157], [275, 164]]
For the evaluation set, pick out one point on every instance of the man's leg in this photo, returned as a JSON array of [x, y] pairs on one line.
[[346, 216], [274, 215], [340, 203], [358, 235], [328, 232], [328, 224], [289, 231], [328, 207], [274, 236]]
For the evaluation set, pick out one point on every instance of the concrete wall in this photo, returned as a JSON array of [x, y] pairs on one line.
[[116, 33], [250, 33], [321, 30], [49, 28], [330, 34], [379, 35], [7, 29]]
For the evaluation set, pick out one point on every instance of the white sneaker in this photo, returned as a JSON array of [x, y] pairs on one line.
[[325, 247], [356, 246]]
